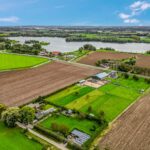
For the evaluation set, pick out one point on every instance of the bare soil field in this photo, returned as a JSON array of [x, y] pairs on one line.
[[131, 131], [22, 86], [91, 59]]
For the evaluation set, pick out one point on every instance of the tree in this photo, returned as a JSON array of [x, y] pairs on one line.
[[10, 116], [124, 67], [76, 93], [90, 109], [54, 126], [60, 128], [37, 46], [101, 116], [89, 47], [27, 114], [2, 108], [131, 61], [64, 129], [8, 45], [40, 99]]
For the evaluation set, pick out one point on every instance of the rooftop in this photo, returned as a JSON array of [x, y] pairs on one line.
[[81, 137], [101, 75]]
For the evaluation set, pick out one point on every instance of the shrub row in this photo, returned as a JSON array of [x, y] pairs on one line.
[[74, 146], [50, 134]]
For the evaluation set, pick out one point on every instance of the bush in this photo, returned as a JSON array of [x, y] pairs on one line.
[[50, 134], [60, 128], [126, 75], [124, 67], [74, 146], [136, 78], [148, 52], [147, 81]]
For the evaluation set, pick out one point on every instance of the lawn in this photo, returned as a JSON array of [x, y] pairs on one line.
[[68, 95], [72, 123], [14, 61], [14, 139]]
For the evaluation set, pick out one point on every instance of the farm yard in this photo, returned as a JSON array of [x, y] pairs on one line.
[[22, 86], [16, 61], [111, 98], [14, 139], [131, 130], [91, 59]]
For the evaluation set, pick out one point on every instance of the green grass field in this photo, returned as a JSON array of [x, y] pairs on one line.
[[72, 123], [14, 61], [111, 98], [13, 139], [68, 95]]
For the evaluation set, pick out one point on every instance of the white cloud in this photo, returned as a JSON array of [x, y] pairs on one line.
[[140, 6], [12, 19], [135, 10], [124, 16], [136, 4], [145, 6]]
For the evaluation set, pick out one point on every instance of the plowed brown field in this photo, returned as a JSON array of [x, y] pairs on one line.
[[20, 87], [131, 131], [91, 59]]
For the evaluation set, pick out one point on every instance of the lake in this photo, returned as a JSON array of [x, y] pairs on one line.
[[60, 44]]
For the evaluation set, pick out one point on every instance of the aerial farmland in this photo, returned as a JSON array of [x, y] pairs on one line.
[[88, 99]]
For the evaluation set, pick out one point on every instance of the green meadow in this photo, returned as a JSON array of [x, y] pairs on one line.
[[15, 61], [14, 139], [68, 95]]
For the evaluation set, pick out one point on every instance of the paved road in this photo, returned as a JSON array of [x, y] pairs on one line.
[[60, 146]]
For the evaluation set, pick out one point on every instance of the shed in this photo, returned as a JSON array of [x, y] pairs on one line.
[[101, 76], [56, 53], [113, 74]]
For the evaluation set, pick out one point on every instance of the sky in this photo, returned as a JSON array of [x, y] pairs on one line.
[[75, 12]]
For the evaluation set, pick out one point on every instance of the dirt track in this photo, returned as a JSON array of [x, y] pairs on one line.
[[91, 59], [131, 131], [20, 87]]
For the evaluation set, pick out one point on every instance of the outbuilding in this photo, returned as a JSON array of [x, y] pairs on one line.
[[101, 76], [79, 137]]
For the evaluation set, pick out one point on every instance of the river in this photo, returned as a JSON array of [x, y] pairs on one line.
[[60, 44]]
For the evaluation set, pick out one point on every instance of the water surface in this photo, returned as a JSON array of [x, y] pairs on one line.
[[60, 44]]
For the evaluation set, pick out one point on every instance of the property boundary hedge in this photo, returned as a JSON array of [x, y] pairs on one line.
[[50, 134]]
